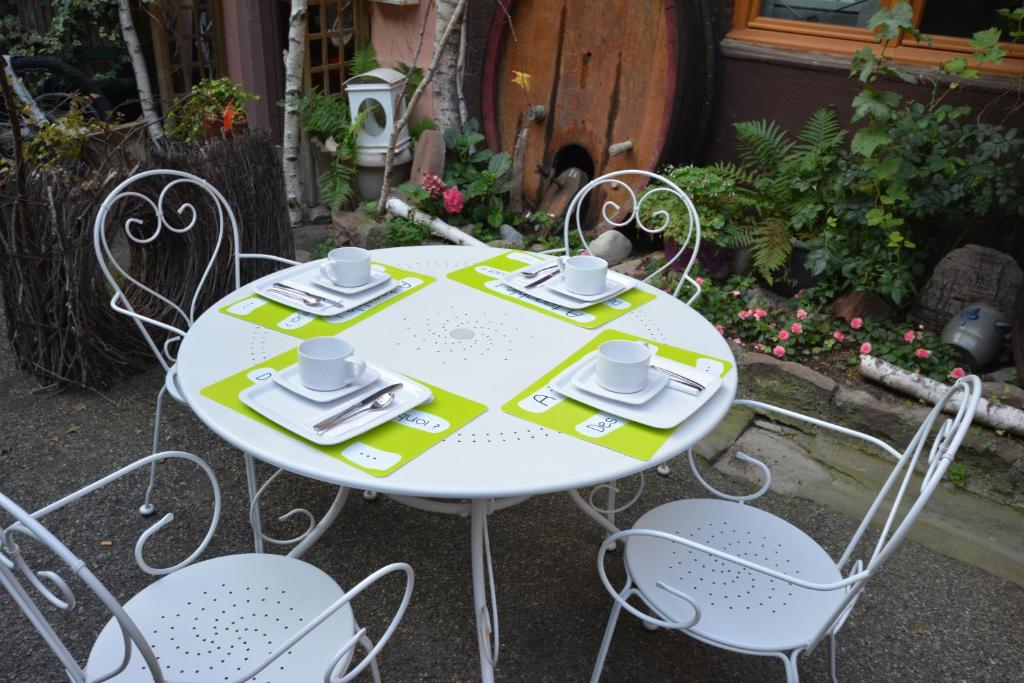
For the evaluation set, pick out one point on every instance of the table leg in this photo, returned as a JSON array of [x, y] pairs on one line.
[[486, 619], [254, 516], [325, 522], [589, 511]]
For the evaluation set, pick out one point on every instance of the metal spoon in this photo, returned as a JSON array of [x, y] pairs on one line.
[[529, 275], [377, 402]]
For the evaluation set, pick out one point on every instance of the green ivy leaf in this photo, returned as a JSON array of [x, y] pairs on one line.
[[867, 140]]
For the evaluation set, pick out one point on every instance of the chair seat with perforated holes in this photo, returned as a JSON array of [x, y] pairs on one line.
[[215, 620], [740, 607]]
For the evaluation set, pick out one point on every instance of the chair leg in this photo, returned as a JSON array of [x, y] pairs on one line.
[[832, 657], [369, 495], [147, 508], [250, 479], [792, 672], [609, 631], [374, 670], [664, 470]]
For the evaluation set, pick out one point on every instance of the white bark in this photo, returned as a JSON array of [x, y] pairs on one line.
[[131, 42], [446, 89], [428, 76], [994, 415], [293, 62], [437, 226]]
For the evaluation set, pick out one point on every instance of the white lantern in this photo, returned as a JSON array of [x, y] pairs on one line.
[[379, 94]]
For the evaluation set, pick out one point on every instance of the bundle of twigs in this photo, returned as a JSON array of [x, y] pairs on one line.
[[55, 298]]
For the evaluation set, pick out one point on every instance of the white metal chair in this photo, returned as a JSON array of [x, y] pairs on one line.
[[739, 578], [234, 618], [574, 220], [176, 209]]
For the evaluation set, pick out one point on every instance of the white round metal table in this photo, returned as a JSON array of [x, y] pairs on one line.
[[479, 346]]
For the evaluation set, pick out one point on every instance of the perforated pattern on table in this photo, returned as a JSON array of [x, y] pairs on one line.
[[739, 606], [453, 335], [218, 619]]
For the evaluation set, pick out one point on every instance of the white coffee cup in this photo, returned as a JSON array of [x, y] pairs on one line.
[[347, 266], [585, 275], [622, 366], [325, 363]]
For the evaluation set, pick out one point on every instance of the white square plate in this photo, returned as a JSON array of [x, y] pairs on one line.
[[617, 284], [585, 378], [289, 379], [666, 410], [377, 278], [303, 279], [298, 414], [612, 286]]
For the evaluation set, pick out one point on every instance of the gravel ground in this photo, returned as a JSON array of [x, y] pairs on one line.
[[926, 618]]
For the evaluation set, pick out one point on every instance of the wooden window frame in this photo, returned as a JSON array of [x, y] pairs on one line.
[[749, 26], [360, 33]]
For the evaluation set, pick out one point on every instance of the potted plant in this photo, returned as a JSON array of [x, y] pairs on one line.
[[215, 108]]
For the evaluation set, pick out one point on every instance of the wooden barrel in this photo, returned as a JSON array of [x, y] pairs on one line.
[[605, 73]]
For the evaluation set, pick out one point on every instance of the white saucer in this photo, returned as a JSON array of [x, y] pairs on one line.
[[298, 414], [289, 379], [562, 297], [305, 278], [377, 278], [586, 379], [667, 409], [611, 288]]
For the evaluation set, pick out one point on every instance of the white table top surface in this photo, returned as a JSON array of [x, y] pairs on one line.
[[495, 455]]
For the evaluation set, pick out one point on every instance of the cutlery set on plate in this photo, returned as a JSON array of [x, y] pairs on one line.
[[575, 282]]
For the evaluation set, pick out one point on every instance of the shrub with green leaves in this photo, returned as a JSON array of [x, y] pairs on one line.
[[210, 97]]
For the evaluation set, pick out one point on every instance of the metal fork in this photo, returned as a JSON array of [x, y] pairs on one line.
[[309, 301]]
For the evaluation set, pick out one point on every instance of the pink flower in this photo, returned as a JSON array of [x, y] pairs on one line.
[[856, 323], [743, 315], [453, 200], [956, 373], [735, 292], [801, 314], [699, 281], [759, 346], [760, 313], [865, 348], [737, 340], [796, 328], [783, 335], [838, 336], [908, 336], [922, 353], [778, 352], [433, 184], [719, 329]]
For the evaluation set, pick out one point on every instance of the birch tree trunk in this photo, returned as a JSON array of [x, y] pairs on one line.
[[428, 76], [131, 42], [293, 62], [446, 75]]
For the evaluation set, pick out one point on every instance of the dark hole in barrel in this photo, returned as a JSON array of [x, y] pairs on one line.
[[574, 156]]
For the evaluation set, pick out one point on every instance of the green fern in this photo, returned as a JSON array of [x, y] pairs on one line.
[[761, 145], [364, 59], [821, 134], [771, 244]]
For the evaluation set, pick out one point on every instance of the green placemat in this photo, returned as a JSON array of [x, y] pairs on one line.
[[542, 405], [275, 316], [404, 437], [486, 275]]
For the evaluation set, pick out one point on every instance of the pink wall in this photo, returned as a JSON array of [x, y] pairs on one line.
[[394, 32]]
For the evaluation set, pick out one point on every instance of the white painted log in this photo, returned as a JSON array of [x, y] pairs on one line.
[[437, 226], [131, 43], [620, 148], [293, 61], [994, 415]]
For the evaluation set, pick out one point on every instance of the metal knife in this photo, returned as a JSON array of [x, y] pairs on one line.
[[542, 280], [329, 422]]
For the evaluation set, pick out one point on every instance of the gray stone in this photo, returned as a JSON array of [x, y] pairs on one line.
[[511, 235], [302, 256], [1003, 392], [1008, 374], [791, 466], [502, 244], [860, 305], [612, 246], [318, 214], [722, 436], [970, 274], [358, 228], [633, 267], [795, 386]]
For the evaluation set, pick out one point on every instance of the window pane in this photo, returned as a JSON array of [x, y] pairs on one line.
[[842, 12], [958, 18]]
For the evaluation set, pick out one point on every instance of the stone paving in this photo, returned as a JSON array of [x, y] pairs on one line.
[[925, 618]]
